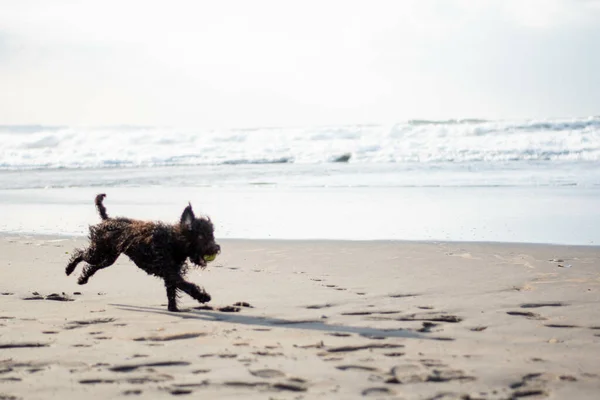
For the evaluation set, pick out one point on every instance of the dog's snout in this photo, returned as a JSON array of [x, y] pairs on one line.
[[212, 248]]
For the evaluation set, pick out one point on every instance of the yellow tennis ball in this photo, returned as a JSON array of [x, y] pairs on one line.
[[210, 257]]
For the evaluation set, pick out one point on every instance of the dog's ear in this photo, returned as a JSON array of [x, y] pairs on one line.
[[187, 218]]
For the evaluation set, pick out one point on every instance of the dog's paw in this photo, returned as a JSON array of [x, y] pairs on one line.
[[82, 280], [205, 298], [173, 308]]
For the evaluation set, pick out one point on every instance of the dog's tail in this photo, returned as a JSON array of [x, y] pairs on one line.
[[100, 206]]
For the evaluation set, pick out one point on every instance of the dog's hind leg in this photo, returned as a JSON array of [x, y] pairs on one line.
[[171, 286], [75, 259], [92, 268]]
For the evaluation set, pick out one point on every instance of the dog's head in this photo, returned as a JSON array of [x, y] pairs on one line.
[[200, 234]]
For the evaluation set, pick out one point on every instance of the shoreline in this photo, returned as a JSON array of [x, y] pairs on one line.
[[58, 236], [547, 216]]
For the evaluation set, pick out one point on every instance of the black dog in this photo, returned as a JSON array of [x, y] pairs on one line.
[[157, 248]]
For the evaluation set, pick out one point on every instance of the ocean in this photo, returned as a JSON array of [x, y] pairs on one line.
[[534, 181]]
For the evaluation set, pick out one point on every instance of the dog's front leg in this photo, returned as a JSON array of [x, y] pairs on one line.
[[194, 291]]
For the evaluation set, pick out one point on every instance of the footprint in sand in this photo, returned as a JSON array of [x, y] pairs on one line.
[[204, 307], [267, 353], [233, 308], [561, 326], [53, 296], [11, 379], [292, 385], [200, 371], [59, 297], [432, 363], [149, 379], [430, 318], [531, 385], [229, 309], [319, 306], [180, 336], [357, 368], [358, 313], [401, 295], [179, 392], [394, 354], [22, 345], [267, 373], [339, 334], [242, 384], [139, 380], [478, 328], [333, 359], [135, 392], [133, 367], [34, 297], [450, 396], [95, 381], [538, 305], [378, 391], [413, 373], [79, 324], [370, 346], [526, 314]]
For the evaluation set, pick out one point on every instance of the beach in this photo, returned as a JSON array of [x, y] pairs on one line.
[[382, 200], [314, 319], [440, 260]]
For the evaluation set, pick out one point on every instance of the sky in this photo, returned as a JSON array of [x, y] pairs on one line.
[[240, 63]]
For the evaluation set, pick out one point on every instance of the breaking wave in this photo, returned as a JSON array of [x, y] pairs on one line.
[[415, 141]]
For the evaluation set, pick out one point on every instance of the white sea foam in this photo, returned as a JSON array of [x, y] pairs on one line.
[[461, 141]]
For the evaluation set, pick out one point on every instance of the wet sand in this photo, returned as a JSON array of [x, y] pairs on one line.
[[307, 319]]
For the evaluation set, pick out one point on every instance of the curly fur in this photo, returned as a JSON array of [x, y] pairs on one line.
[[159, 249]]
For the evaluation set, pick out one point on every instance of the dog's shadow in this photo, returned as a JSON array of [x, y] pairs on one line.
[[314, 325]]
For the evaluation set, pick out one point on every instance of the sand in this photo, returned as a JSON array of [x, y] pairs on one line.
[[323, 319]]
